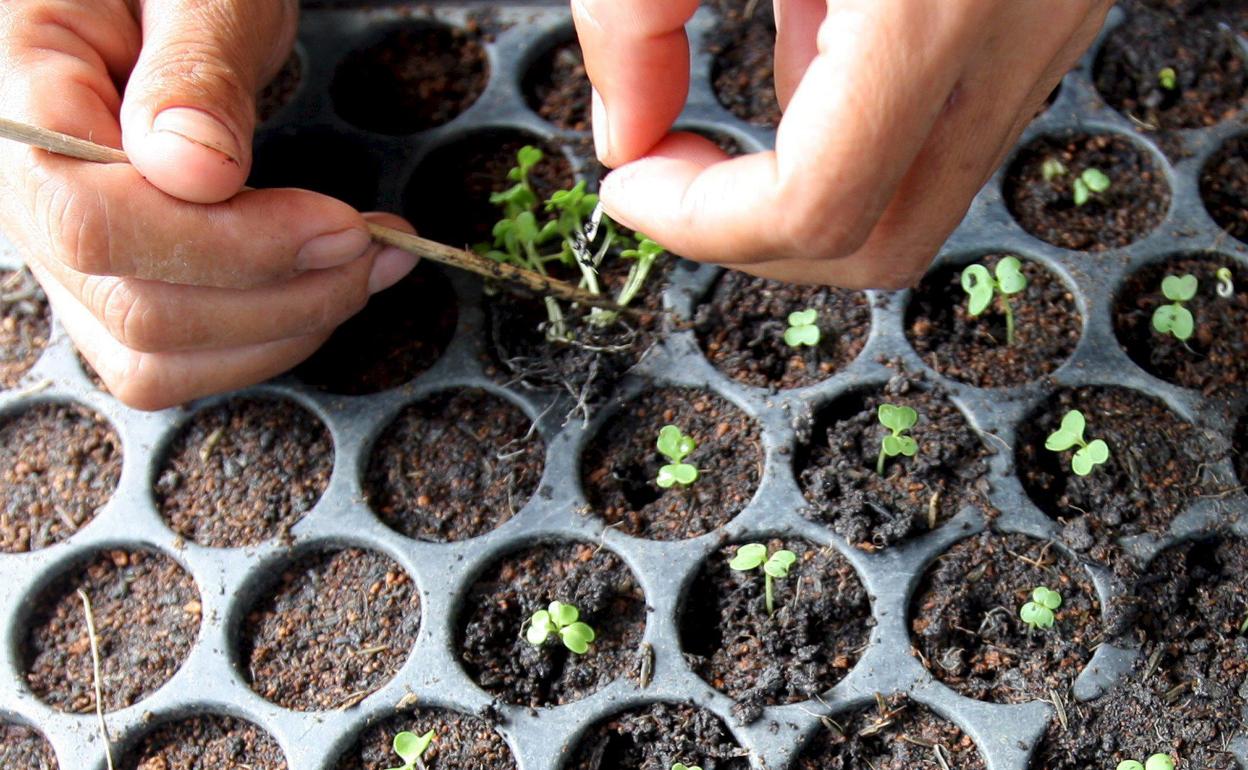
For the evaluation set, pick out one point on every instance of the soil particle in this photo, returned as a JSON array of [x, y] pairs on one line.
[[23, 748], [146, 612], [336, 626], [499, 605], [557, 88], [657, 736], [59, 464], [460, 741], [207, 742], [1224, 187], [25, 324], [243, 472], [281, 89], [743, 72]]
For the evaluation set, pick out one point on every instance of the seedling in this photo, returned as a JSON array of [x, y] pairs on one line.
[[1155, 762], [803, 328], [1091, 182], [410, 747], [563, 620], [1226, 283], [1039, 612], [1167, 78], [980, 285], [679, 766], [753, 555], [1090, 453], [1052, 168], [676, 446], [898, 420], [1243, 626], [1175, 318]]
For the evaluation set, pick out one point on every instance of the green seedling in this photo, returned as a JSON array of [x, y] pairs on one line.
[[1091, 182], [1051, 169], [1155, 762], [562, 620], [1175, 318], [1039, 612], [680, 766], [1090, 453], [1167, 78], [981, 286], [898, 420], [1226, 283], [676, 446], [753, 555], [803, 328], [410, 747]]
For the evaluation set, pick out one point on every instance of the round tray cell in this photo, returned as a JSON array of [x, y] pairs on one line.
[[318, 160], [621, 466], [25, 324], [1224, 187], [976, 349], [895, 734], [743, 72], [419, 75], [205, 742], [819, 628], [459, 740], [24, 748], [243, 472], [1215, 358], [723, 141], [146, 612], [59, 463], [278, 92], [742, 325], [454, 466], [658, 736], [333, 627], [401, 333], [500, 604], [839, 469], [1134, 204], [966, 625], [557, 88]]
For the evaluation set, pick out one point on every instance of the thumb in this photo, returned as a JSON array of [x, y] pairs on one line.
[[189, 107]]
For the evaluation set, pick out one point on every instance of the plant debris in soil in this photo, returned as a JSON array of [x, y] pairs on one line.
[[460, 741], [839, 477], [146, 612], [974, 350], [23, 748], [206, 742], [741, 328], [557, 88], [895, 734], [58, 465], [743, 73], [25, 324], [243, 472], [621, 464], [1224, 187], [279, 91], [821, 624], [454, 466], [498, 606], [967, 629], [1135, 203], [334, 628], [657, 736]]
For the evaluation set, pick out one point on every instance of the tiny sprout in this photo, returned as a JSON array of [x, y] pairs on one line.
[[1155, 762], [410, 747], [777, 565], [1243, 627], [803, 329], [1091, 182], [681, 766], [1174, 318], [1038, 613], [898, 420], [1226, 282], [676, 446], [561, 619], [1090, 454], [1167, 78], [980, 285], [1051, 169]]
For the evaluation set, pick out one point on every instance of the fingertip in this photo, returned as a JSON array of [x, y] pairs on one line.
[[190, 155]]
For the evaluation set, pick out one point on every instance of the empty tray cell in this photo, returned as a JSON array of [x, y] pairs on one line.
[[23, 747], [743, 74], [556, 86], [659, 736], [895, 734], [1224, 187], [205, 741], [25, 324]]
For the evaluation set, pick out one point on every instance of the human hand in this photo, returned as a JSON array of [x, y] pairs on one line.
[[895, 114], [172, 283]]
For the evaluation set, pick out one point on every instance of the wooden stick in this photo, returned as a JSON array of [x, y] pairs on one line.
[[73, 147]]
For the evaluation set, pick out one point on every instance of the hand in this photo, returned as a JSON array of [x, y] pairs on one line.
[[895, 114], [172, 283]]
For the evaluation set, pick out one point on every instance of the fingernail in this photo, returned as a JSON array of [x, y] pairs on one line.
[[332, 249], [389, 267], [602, 129], [200, 128]]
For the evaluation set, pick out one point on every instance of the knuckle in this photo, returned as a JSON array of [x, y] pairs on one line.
[[76, 224], [200, 74], [127, 313], [137, 382]]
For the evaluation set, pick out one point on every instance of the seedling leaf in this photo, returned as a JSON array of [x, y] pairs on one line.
[[1095, 179], [1051, 169], [1226, 282], [564, 614], [1167, 78], [803, 317], [1159, 762], [748, 557], [1081, 193], [796, 336], [674, 444], [977, 282], [576, 637], [1069, 434], [1090, 456], [410, 747], [679, 766], [778, 565], [676, 473], [1178, 288], [1046, 597], [540, 628], [1129, 764], [897, 418], [1036, 616], [1010, 278]]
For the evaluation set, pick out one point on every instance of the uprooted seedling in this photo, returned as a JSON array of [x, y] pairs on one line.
[[676, 445], [981, 286], [776, 565], [562, 620], [1090, 453], [410, 747]]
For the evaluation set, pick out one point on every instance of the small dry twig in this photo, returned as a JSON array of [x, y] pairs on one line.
[[95, 667]]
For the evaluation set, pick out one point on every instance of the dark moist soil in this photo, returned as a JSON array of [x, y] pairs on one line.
[[335, 627], [1240, 450], [1215, 358], [741, 329], [743, 72], [402, 332], [821, 623], [1135, 203], [58, 465], [557, 88], [146, 611], [657, 736], [243, 472], [1224, 187], [454, 466], [620, 466], [837, 471], [23, 748], [25, 324], [967, 629], [418, 76], [498, 606], [460, 741], [894, 735], [207, 742], [974, 350], [281, 89]]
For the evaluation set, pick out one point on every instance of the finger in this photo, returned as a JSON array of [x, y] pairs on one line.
[[797, 22]]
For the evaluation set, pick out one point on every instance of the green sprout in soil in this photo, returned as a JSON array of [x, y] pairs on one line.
[[1243, 626], [981, 286], [753, 555], [1038, 613], [410, 747], [1167, 78], [898, 420], [681, 766], [1175, 318], [1090, 453], [1091, 182], [1226, 283], [1051, 169], [561, 619], [1155, 762], [675, 445], [803, 328]]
